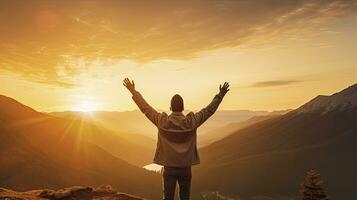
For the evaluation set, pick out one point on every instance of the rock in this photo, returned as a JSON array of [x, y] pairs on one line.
[[47, 194], [72, 191]]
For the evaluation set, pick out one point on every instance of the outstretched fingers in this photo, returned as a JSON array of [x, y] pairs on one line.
[[126, 83], [129, 84], [225, 85]]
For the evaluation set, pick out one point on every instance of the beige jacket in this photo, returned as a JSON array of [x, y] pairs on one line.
[[177, 138]]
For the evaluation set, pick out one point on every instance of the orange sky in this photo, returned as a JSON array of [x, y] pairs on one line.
[[66, 55]]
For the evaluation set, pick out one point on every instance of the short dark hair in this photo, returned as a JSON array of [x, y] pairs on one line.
[[177, 103]]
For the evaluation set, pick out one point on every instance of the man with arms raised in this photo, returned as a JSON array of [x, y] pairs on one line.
[[177, 138]]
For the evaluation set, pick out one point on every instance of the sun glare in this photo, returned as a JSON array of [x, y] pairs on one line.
[[86, 107]]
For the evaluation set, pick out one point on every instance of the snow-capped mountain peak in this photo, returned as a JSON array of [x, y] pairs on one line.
[[343, 100]]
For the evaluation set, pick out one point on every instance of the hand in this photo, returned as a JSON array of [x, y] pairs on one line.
[[129, 85], [223, 89]]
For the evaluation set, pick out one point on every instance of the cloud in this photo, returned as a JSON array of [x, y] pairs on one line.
[[40, 37], [273, 83]]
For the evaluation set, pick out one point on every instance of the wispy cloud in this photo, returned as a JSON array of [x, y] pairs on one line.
[[33, 41], [273, 83]]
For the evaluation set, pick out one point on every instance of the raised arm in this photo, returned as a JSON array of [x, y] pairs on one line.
[[205, 113], [144, 107]]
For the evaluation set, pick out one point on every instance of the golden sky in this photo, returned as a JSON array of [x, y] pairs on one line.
[[73, 55]]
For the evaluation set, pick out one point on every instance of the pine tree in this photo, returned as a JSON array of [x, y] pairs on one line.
[[311, 188]]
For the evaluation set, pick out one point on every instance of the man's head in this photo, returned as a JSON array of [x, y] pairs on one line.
[[176, 103]]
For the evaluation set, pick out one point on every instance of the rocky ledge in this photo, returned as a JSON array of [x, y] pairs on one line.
[[71, 193]]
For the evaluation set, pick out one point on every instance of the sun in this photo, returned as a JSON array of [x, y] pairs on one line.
[[86, 107]]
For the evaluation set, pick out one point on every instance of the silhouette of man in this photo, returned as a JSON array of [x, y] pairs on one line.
[[176, 146]]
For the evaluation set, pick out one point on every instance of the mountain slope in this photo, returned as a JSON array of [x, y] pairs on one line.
[[37, 151], [12, 110], [343, 100], [271, 157], [222, 132], [125, 144]]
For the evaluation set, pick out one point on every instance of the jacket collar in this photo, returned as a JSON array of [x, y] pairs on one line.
[[177, 113]]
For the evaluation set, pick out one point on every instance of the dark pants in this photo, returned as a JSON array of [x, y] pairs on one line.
[[182, 175]]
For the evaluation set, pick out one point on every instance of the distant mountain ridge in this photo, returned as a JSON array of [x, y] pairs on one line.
[[222, 132], [136, 123], [343, 100]]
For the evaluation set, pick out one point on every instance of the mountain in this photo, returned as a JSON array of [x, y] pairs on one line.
[[12, 110], [222, 132], [269, 159], [224, 117], [73, 193], [38, 150], [344, 100]]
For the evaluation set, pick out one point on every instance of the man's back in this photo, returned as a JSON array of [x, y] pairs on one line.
[[177, 133], [176, 144]]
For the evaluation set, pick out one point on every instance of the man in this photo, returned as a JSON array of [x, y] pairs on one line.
[[176, 146]]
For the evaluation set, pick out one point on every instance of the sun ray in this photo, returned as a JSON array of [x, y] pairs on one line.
[[86, 106]]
